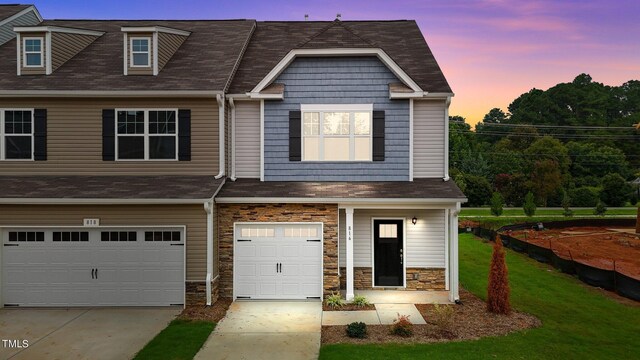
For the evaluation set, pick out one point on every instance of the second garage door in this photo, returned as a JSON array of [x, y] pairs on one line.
[[278, 261]]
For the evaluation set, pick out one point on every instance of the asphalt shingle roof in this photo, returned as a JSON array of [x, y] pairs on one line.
[[9, 10]]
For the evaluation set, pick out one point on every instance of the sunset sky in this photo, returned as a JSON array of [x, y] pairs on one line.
[[490, 50]]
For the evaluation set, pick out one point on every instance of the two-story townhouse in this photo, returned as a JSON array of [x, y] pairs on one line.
[[116, 138], [110, 156], [338, 164]]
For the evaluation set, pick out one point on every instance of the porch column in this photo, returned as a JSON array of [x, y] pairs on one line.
[[453, 254], [349, 246]]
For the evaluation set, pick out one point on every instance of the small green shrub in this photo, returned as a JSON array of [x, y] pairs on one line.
[[600, 209], [357, 330], [529, 206], [497, 204], [360, 301], [402, 326], [443, 319], [334, 300]]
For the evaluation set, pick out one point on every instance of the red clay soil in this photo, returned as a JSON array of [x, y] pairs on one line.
[[594, 246]]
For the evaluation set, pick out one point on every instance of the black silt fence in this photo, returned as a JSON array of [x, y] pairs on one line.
[[606, 279]]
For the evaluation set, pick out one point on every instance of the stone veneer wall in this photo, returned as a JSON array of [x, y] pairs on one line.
[[427, 279], [228, 214], [196, 292]]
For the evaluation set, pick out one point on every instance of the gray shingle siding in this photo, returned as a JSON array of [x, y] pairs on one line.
[[361, 80], [6, 30]]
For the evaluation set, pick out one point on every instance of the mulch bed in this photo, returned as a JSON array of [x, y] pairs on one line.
[[348, 307], [470, 321], [213, 313]]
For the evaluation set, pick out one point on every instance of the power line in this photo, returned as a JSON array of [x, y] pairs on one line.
[[542, 126], [555, 135]]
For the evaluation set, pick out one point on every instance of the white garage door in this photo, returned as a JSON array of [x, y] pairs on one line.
[[278, 261], [93, 267]]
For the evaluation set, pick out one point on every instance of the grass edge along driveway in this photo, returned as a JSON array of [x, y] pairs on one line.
[[579, 322], [181, 339]]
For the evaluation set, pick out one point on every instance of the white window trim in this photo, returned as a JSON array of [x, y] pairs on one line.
[[25, 52], [146, 135], [131, 52], [2, 134], [351, 109]]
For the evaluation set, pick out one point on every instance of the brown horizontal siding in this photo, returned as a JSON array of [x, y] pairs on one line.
[[64, 46], [168, 44], [192, 216], [74, 138]]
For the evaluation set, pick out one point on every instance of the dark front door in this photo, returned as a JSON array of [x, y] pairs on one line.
[[388, 252]]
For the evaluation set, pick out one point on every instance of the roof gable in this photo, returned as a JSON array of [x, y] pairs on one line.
[[336, 35]]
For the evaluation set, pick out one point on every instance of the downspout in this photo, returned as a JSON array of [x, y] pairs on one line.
[[232, 163], [446, 139], [208, 207], [222, 134]]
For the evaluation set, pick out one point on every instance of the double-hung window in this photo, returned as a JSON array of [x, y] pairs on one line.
[[33, 54], [336, 132], [140, 52], [146, 134], [16, 134]]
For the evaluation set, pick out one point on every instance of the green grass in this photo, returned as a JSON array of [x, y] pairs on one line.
[[180, 340], [578, 321], [631, 211]]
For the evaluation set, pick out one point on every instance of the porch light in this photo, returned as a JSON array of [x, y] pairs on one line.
[[414, 220]]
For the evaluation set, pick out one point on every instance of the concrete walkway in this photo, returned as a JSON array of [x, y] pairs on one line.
[[384, 314], [76, 333], [266, 330]]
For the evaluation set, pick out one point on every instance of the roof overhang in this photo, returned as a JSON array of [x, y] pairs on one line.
[[317, 200], [115, 93], [147, 29], [293, 54], [99, 201], [58, 29], [420, 95]]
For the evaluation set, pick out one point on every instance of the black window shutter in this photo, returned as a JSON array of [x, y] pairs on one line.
[[295, 140], [378, 136], [108, 135], [40, 134], [184, 135]]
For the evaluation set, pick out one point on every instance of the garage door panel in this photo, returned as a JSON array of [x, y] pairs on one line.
[[59, 273], [267, 250]]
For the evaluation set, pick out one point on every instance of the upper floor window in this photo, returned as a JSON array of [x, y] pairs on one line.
[[336, 132], [146, 135], [33, 54], [16, 134], [140, 52]]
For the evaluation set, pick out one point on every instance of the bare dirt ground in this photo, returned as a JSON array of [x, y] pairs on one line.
[[213, 313], [604, 248]]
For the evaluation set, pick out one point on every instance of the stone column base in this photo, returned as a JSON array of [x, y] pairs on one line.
[[196, 292], [417, 279]]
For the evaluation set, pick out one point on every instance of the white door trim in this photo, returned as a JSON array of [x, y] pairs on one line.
[[235, 225], [404, 252]]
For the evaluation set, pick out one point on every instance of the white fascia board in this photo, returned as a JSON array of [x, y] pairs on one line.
[[59, 29], [72, 201], [406, 95], [311, 200], [19, 14], [98, 93], [253, 95], [336, 107], [386, 59], [244, 96], [155, 29]]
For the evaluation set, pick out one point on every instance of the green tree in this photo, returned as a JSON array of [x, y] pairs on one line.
[[478, 190], [566, 204], [585, 196], [495, 115], [529, 206], [545, 179], [600, 209], [552, 149], [497, 204], [591, 160], [615, 190]]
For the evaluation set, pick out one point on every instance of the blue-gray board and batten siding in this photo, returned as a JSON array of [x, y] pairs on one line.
[[336, 80]]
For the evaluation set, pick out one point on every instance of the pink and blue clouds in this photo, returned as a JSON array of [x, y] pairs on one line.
[[490, 50]]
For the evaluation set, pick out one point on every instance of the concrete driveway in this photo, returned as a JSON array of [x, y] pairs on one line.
[[266, 330], [93, 333]]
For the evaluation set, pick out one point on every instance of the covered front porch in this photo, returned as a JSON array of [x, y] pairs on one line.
[[406, 252]]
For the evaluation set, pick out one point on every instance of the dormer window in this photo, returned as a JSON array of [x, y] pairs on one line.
[[33, 54], [140, 52]]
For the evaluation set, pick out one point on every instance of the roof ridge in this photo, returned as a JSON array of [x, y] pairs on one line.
[[331, 25]]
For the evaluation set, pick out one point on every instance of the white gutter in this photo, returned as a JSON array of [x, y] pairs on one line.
[[109, 93], [208, 208], [221, 134], [446, 139], [232, 163], [81, 201], [317, 200]]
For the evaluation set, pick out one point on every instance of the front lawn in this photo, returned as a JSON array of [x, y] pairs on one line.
[[182, 339], [579, 322]]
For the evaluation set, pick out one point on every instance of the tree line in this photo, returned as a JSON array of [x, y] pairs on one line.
[[573, 144]]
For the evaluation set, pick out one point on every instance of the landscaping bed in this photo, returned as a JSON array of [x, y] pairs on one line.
[[213, 313], [469, 321]]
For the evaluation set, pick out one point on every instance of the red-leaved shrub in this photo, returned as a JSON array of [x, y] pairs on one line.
[[498, 289]]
